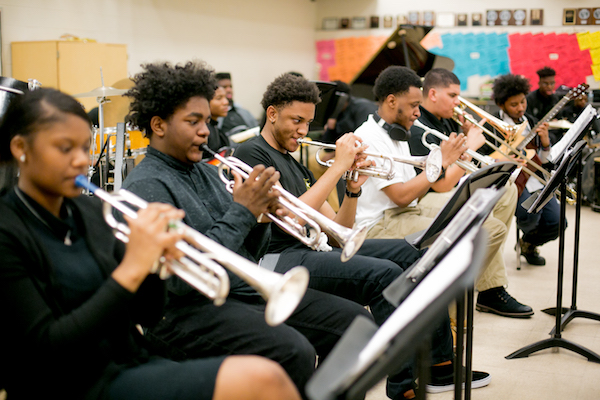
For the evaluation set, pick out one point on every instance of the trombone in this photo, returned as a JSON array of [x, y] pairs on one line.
[[510, 131], [349, 239], [203, 264], [431, 164]]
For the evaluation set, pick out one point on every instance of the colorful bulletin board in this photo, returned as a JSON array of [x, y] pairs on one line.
[[590, 42], [342, 59], [573, 56]]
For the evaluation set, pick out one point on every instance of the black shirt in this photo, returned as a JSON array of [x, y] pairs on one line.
[[538, 105], [444, 125], [295, 178], [73, 267], [216, 140], [357, 112]]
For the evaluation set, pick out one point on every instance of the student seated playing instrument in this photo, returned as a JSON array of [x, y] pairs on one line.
[[441, 90], [70, 292], [170, 104], [510, 94], [289, 103]]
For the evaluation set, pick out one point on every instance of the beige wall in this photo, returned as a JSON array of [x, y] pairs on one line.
[[255, 40], [553, 9]]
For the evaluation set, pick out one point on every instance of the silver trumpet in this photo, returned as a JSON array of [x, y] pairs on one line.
[[202, 267], [467, 166], [431, 164], [349, 239]]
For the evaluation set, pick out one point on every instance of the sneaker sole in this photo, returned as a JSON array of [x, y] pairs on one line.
[[487, 309], [474, 385]]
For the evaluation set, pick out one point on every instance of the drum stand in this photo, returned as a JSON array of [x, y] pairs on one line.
[[556, 339]]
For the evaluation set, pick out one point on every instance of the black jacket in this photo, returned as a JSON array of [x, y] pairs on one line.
[[46, 349]]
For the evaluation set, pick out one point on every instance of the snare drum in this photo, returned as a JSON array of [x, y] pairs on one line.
[[137, 142]]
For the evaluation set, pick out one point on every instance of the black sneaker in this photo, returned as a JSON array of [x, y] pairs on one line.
[[498, 301], [531, 254], [442, 379]]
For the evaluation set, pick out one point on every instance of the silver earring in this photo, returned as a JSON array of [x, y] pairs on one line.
[[22, 158]]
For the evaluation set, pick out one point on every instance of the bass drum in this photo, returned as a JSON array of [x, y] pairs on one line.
[[590, 178]]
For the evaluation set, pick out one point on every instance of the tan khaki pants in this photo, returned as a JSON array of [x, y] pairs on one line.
[[398, 223]]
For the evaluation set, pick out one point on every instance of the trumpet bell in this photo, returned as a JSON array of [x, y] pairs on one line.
[[285, 295], [353, 242], [433, 165]]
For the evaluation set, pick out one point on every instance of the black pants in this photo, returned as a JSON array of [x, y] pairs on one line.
[[363, 279], [165, 379], [199, 329]]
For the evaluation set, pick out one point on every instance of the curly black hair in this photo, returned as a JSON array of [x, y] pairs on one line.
[[395, 80], [509, 85], [545, 72], [288, 88], [163, 88]]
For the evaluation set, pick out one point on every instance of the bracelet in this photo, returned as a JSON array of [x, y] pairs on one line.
[[442, 175], [353, 195]]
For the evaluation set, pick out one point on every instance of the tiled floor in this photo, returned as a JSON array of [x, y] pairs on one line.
[[551, 373]]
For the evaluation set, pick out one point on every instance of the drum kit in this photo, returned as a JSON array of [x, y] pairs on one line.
[[112, 149], [118, 147]]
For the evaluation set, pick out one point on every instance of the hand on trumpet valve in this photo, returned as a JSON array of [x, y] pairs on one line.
[[353, 185], [347, 150], [151, 239], [256, 193], [453, 148]]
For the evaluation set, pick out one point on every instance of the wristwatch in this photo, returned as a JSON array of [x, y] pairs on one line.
[[353, 195], [442, 175]]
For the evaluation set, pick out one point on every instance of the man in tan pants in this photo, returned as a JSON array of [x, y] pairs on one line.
[[392, 208]]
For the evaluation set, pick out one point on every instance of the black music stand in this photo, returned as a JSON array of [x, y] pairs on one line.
[[572, 159], [496, 175], [366, 354]]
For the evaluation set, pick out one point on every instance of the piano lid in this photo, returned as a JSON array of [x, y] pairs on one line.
[[404, 48]]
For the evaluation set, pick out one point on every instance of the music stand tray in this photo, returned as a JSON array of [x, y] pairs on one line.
[[366, 354], [571, 158]]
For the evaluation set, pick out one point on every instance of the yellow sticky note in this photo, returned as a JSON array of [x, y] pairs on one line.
[[583, 38], [595, 54], [596, 71], [594, 40]]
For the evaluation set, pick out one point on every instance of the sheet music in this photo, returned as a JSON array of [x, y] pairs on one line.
[[582, 121]]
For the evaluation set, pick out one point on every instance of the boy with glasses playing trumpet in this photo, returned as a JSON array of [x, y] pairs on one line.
[[289, 103], [441, 91], [171, 105]]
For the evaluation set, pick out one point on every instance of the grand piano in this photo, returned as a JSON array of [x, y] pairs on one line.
[[403, 47]]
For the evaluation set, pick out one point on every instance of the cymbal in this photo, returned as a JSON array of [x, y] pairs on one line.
[[102, 91]]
